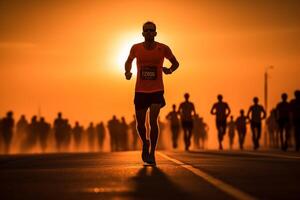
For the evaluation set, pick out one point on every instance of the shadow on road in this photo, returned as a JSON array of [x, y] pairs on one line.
[[151, 183]]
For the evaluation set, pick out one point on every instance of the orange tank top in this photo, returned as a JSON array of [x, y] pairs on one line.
[[149, 66]]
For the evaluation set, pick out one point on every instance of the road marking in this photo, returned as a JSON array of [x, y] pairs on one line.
[[230, 190], [272, 155], [258, 153]]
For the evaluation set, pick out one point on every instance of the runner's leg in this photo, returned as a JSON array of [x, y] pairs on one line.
[[140, 118], [154, 112]]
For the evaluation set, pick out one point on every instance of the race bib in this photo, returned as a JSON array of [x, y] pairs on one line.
[[148, 73]]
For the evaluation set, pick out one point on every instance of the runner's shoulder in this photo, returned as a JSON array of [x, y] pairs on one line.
[[137, 45], [162, 44]]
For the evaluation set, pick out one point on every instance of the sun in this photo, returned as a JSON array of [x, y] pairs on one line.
[[123, 51]]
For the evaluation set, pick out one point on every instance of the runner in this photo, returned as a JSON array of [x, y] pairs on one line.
[[222, 111], [241, 127], [149, 89], [256, 113], [174, 125], [283, 120], [187, 112], [295, 111]]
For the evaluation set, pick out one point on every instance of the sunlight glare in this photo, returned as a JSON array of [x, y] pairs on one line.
[[123, 52]]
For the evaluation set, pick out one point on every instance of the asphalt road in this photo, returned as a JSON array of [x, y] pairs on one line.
[[178, 175]]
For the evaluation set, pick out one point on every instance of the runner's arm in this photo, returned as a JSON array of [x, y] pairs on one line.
[[128, 66], [179, 109], [264, 113], [248, 114], [128, 63], [173, 67], [212, 110], [194, 110], [229, 111]]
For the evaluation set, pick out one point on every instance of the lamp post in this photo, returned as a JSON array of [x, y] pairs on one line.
[[266, 76]]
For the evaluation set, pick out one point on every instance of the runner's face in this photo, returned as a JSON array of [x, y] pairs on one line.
[[149, 32]]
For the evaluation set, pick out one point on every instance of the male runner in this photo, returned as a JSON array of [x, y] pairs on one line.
[[256, 113], [222, 111], [283, 121], [295, 111], [174, 125], [241, 127], [149, 87], [187, 112]]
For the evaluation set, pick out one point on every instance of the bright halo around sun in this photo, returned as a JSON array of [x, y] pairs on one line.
[[123, 52]]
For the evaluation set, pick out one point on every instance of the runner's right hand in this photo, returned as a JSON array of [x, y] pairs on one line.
[[128, 75]]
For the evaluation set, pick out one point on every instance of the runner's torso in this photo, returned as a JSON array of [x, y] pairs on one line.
[[256, 113], [221, 111], [149, 66], [173, 117], [186, 109]]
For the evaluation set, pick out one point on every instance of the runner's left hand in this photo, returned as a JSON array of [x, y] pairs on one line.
[[167, 70]]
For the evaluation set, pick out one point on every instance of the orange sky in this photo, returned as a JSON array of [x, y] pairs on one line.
[[68, 55]]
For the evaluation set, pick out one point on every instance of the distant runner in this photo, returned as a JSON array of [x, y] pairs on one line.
[[222, 111], [174, 125], [187, 112], [256, 113]]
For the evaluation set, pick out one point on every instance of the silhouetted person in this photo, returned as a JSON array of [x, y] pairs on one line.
[[134, 133], [77, 134], [149, 88], [203, 132], [174, 125], [187, 111], [222, 111], [91, 136], [113, 128], [273, 129], [67, 134], [123, 135], [22, 126], [1, 136], [241, 127], [7, 130], [295, 111], [32, 135], [256, 114], [283, 120], [22, 130], [100, 135], [231, 131], [59, 129], [197, 130], [43, 133]]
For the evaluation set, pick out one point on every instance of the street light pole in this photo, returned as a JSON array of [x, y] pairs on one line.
[[266, 103]]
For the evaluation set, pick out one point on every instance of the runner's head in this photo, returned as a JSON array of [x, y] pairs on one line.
[[297, 94], [186, 96], [174, 107], [220, 97], [255, 100], [9, 114], [284, 97], [242, 112], [149, 31]]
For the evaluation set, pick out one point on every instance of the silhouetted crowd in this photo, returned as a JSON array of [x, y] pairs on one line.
[[38, 133], [283, 127]]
